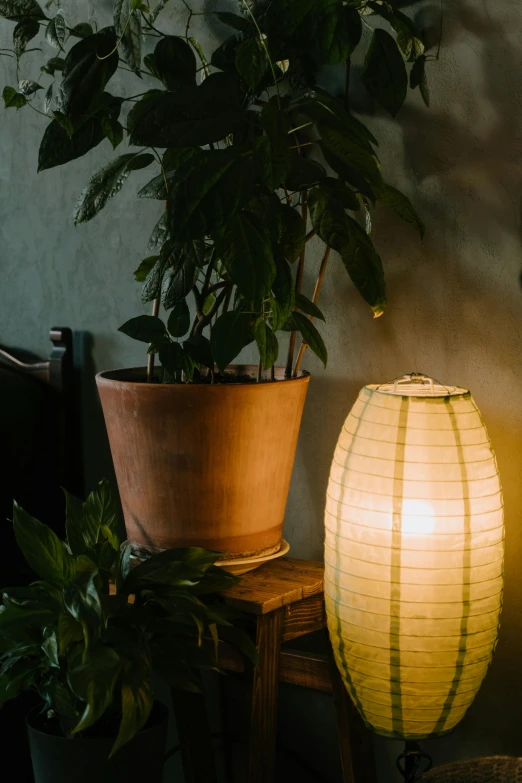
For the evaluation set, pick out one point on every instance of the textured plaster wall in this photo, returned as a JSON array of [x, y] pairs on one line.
[[454, 300]]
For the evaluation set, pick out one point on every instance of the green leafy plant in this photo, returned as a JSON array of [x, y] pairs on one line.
[[253, 159], [89, 651]]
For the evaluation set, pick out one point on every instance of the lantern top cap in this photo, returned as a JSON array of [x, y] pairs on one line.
[[417, 384]]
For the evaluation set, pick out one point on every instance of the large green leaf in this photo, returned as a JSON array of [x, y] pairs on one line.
[[293, 234], [177, 282], [14, 618], [88, 67], [191, 116], [93, 682], [344, 234], [304, 173], [341, 192], [153, 282], [141, 273], [172, 358], [337, 35], [408, 35], [57, 147], [310, 335], [175, 63], [106, 183], [137, 699], [267, 344], [17, 10], [42, 548], [207, 192], [127, 24], [308, 307], [251, 61], [343, 146], [321, 106], [284, 293], [403, 207], [245, 249], [24, 32], [230, 334], [145, 328], [160, 233], [13, 99], [384, 74]]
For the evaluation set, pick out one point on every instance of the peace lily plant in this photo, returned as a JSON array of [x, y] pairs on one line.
[[252, 157]]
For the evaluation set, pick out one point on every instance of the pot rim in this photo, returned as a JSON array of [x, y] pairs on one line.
[[109, 377], [162, 716]]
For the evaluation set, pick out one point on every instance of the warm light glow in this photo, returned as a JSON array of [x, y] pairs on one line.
[[417, 517], [413, 557]]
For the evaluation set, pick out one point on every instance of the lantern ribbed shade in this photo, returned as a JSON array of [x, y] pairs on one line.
[[413, 557]]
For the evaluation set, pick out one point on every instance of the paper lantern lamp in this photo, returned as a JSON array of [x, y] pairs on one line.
[[413, 556]]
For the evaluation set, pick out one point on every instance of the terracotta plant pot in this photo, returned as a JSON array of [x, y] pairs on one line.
[[200, 464]]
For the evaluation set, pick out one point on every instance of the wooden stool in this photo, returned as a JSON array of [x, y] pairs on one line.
[[286, 600]]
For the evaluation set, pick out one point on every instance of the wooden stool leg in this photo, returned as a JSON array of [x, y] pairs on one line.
[[194, 737], [264, 693], [355, 742]]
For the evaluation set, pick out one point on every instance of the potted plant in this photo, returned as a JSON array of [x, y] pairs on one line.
[[90, 652], [254, 157]]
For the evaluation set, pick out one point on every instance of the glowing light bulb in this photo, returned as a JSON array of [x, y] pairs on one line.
[[418, 517]]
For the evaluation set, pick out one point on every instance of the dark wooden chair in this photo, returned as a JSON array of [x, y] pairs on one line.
[[41, 445]]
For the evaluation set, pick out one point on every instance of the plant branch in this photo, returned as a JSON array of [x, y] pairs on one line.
[[310, 235], [298, 285], [150, 359]]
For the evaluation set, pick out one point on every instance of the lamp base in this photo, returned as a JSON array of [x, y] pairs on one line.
[[410, 761]]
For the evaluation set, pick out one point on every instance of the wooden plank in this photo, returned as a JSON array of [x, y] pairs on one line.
[[304, 617], [263, 706], [308, 670], [276, 584]]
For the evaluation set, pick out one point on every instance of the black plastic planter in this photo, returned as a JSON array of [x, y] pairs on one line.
[[86, 760]]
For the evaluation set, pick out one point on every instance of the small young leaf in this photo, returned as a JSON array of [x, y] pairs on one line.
[[24, 32], [145, 328], [144, 268], [230, 334], [53, 65], [307, 306], [311, 336], [384, 74], [82, 30], [13, 99], [178, 323], [402, 206], [251, 62]]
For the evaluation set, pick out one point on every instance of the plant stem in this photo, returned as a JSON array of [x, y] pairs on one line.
[[298, 285], [259, 371], [310, 235], [317, 291], [150, 359]]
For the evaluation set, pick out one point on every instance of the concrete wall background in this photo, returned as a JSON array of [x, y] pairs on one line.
[[454, 300]]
